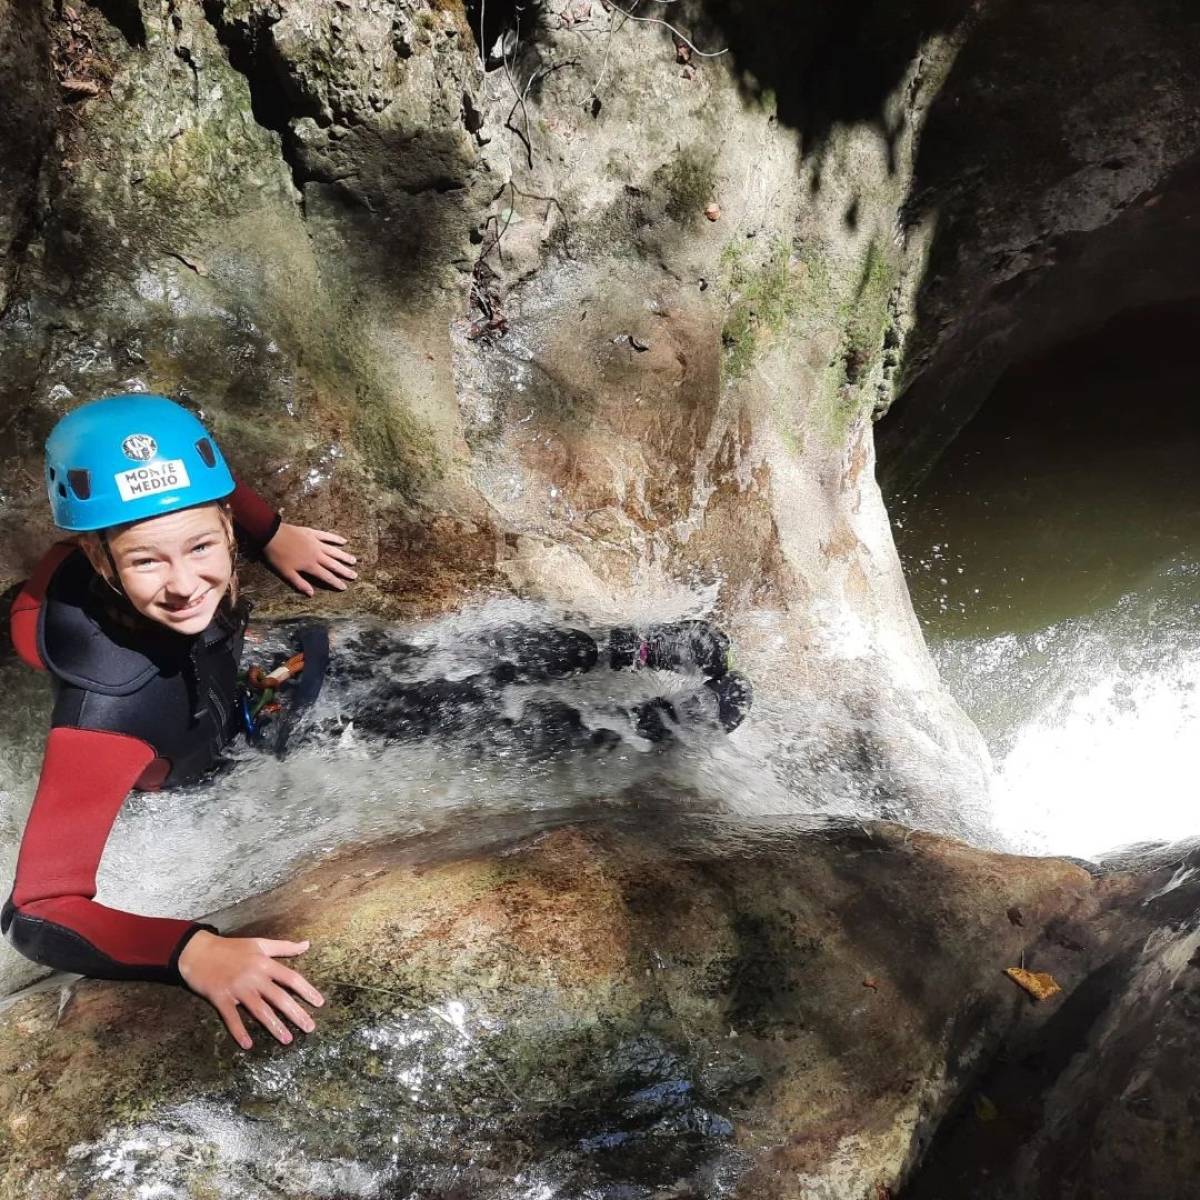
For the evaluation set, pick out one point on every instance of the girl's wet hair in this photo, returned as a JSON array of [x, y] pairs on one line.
[[95, 545]]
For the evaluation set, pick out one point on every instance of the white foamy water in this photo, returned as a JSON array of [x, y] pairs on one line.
[[1093, 722], [187, 852]]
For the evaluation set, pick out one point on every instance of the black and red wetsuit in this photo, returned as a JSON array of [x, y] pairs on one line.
[[136, 706]]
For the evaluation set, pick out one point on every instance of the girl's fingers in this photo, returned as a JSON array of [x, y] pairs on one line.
[[318, 572], [268, 1018], [341, 555], [301, 585], [285, 1004], [345, 571], [275, 948], [335, 539], [233, 1022], [297, 983]]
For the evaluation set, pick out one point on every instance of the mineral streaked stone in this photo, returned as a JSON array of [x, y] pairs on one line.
[[679, 1001]]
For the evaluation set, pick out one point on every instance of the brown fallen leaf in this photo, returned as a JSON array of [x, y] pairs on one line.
[[873, 984], [496, 324], [80, 87], [1040, 985], [713, 212]]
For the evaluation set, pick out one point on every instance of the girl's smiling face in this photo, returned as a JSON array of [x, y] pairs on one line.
[[176, 568]]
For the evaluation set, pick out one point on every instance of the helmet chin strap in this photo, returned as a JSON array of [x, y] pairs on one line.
[[115, 581]]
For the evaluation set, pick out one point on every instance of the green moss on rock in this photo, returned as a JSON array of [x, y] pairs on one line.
[[399, 450], [866, 314], [763, 302], [855, 304]]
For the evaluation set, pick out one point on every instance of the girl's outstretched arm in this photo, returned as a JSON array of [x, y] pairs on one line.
[[52, 916]]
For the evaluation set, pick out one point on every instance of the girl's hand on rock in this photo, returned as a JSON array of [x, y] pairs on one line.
[[229, 972], [296, 548]]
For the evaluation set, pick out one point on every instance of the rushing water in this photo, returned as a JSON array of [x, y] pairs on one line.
[[1054, 563], [198, 849]]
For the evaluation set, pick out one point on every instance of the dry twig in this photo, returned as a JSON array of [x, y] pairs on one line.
[[666, 24], [523, 94], [594, 91]]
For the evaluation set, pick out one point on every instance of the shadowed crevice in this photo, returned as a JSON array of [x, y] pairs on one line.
[[125, 16], [274, 104], [970, 1156]]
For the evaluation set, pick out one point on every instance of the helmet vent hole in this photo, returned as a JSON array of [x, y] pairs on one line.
[[205, 450], [53, 475], [62, 490], [81, 484]]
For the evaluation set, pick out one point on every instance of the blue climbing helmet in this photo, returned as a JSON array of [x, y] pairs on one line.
[[127, 458]]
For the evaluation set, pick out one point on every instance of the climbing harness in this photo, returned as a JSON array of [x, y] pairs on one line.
[[262, 691], [259, 697]]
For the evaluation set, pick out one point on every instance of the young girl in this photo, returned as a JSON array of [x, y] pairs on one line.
[[137, 621]]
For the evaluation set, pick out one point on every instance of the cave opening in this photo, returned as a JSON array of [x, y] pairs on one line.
[[1053, 558]]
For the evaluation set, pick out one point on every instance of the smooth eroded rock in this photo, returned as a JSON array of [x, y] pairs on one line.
[[661, 1003]]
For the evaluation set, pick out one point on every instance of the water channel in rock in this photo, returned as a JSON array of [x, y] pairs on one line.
[[376, 759], [1053, 557], [1054, 562]]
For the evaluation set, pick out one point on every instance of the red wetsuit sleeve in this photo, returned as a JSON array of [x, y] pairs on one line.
[[254, 517], [23, 616], [52, 916]]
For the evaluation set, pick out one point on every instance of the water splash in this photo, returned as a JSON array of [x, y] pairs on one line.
[[202, 848], [1092, 720]]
